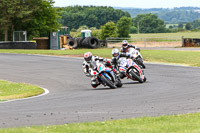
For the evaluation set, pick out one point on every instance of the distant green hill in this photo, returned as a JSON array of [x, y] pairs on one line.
[[169, 15]]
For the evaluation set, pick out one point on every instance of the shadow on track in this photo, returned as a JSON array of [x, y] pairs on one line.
[[106, 88]]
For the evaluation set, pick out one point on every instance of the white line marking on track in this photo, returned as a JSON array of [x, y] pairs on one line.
[[45, 93]]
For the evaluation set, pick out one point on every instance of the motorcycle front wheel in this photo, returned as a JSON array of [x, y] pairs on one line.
[[107, 82], [119, 83], [140, 62], [136, 77]]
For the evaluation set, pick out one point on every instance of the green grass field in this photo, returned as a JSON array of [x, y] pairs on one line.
[[106, 52], [10, 90], [172, 35], [190, 58]]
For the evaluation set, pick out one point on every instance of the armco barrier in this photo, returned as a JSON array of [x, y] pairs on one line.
[[191, 42], [18, 45]]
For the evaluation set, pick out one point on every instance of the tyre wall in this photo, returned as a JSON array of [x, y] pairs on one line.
[[88, 42]]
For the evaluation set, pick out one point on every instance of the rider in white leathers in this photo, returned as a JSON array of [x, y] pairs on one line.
[[87, 63]]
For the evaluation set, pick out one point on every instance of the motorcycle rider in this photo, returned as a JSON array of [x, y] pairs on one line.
[[126, 46], [89, 60]]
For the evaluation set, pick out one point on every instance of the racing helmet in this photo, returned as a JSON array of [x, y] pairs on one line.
[[124, 43], [88, 57], [115, 52]]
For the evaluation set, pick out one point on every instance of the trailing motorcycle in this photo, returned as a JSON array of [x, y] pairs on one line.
[[128, 68], [104, 75], [137, 56]]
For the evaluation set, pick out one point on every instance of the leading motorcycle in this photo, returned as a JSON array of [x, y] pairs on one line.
[[104, 75]]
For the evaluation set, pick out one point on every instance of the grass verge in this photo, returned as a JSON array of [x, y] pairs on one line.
[[103, 52], [190, 58], [10, 90], [188, 123]]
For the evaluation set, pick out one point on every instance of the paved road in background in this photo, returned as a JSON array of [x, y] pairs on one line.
[[168, 90]]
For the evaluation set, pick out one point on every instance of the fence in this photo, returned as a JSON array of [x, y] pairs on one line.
[[19, 36], [147, 41]]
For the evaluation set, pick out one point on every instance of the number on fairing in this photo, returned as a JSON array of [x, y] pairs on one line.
[[123, 63]]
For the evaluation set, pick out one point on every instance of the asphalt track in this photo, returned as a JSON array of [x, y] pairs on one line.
[[168, 90]]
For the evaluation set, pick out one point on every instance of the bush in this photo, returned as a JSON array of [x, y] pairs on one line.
[[109, 30], [123, 26], [75, 34], [133, 30], [181, 30], [97, 34]]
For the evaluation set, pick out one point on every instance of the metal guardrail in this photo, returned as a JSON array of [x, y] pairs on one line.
[[135, 39]]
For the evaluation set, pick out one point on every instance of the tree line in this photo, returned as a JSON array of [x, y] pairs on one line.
[[195, 25], [91, 16], [144, 23], [34, 16], [40, 17], [169, 15]]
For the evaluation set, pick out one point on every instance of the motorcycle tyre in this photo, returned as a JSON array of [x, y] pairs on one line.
[[135, 76], [140, 62], [145, 79], [108, 82], [119, 83]]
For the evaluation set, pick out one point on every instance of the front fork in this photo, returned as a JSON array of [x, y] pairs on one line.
[[95, 80]]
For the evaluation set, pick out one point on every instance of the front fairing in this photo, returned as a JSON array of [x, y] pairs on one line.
[[122, 63], [135, 53]]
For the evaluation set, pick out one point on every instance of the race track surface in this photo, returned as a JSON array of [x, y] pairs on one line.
[[168, 90]]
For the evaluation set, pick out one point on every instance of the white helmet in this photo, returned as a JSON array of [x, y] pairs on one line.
[[115, 52], [88, 57], [124, 43]]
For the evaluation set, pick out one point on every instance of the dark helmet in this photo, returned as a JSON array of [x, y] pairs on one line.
[[88, 56], [124, 43], [115, 52]]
